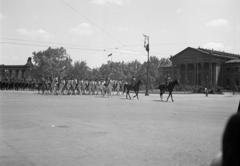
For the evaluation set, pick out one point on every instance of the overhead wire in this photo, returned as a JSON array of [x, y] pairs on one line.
[[25, 42], [37, 41], [92, 22], [113, 50], [44, 45]]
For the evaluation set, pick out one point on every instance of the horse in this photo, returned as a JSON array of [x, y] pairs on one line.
[[162, 88], [135, 88], [169, 87]]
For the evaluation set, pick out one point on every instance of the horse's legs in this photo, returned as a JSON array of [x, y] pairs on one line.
[[171, 97], [103, 92], [168, 96], [128, 92], [137, 95]]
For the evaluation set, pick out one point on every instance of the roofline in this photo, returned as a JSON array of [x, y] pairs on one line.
[[14, 66], [182, 52], [206, 53]]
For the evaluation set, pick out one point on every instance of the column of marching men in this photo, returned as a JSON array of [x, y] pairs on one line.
[[18, 85], [59, 86]]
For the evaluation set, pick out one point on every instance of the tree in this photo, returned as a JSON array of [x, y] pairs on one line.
[[53, 62], [80, 70], [164, 62], [95, 74], [105, 70]]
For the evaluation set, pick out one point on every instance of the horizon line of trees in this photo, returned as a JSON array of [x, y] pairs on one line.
[[55, 62]]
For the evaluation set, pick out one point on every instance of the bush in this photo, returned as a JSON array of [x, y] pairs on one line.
[[219, 90]]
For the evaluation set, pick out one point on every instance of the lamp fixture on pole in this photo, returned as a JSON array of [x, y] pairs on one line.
[[146, 45]]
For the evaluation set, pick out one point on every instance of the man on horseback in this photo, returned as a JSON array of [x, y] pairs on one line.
[[107, 81], [133, 86], [168, 86], [133, 81], [168, 79]]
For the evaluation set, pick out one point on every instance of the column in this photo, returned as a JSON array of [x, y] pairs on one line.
[[13, 74], [214, 74], [210, 75], [23, 74], [202, 74], [17, 71], [186, 74], [178, 69], [2, 74], [20, 74], [195, 74], [182, 73], [218, 69], [10, 74], [192, 74]]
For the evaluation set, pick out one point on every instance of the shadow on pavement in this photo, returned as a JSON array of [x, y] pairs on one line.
[[162, 101]]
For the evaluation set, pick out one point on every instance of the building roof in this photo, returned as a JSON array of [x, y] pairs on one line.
[[218, 53], [13, 66], [233, 61], [212, 52], [27, 65]]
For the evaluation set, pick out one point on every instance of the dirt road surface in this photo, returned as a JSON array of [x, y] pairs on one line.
[[47, 130]]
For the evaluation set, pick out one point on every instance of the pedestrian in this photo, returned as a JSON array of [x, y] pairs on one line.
[[206, 92]]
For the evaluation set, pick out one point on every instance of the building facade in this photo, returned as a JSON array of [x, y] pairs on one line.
[[16, 72], [198, 67]]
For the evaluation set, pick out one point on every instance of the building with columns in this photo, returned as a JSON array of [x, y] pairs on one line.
[[200, 67], [16, 72]]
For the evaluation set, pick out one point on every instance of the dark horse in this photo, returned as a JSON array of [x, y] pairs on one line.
[[129, 87], [169, 87]]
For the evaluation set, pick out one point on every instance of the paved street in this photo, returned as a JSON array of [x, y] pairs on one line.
[[39, 130]]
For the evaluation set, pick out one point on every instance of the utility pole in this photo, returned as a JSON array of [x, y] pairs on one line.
[[146, 45], [111, 64]]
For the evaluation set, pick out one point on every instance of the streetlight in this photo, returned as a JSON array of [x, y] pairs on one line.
[[111, 64], [146, 45]]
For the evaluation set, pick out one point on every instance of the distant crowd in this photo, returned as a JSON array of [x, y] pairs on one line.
[[58, 86]]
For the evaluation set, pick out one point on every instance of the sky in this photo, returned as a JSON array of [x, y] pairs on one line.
[[92, 29]]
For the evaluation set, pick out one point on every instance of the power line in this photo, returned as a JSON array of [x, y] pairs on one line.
[[42, 45], [25, 42], [37, 41], [129, 52], [50, 42], [161, 44], [118, 51], [92, 22]]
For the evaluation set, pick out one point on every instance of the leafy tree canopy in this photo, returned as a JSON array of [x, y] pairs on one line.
[[53, 62]]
